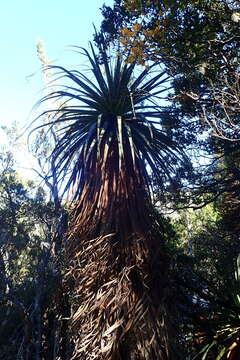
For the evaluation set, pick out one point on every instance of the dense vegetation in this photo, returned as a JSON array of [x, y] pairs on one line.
[[130, 247]]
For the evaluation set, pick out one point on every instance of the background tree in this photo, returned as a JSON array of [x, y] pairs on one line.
[[26, 265], [198, 42], [30, 258]]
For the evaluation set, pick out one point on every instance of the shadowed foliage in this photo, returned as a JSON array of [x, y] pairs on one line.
[[111, 155]]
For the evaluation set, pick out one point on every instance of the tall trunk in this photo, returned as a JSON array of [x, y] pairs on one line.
[[118, 269]]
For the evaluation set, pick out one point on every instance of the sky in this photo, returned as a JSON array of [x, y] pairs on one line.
[[23, 22], [59, 24]]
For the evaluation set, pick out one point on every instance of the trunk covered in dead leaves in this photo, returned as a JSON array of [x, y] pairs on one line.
[[118, 307], [117, 273]]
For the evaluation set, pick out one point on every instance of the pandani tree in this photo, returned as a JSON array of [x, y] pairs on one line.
[[111, 150]]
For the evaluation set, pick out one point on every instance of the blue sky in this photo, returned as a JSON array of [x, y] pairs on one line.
[[59, 24]]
